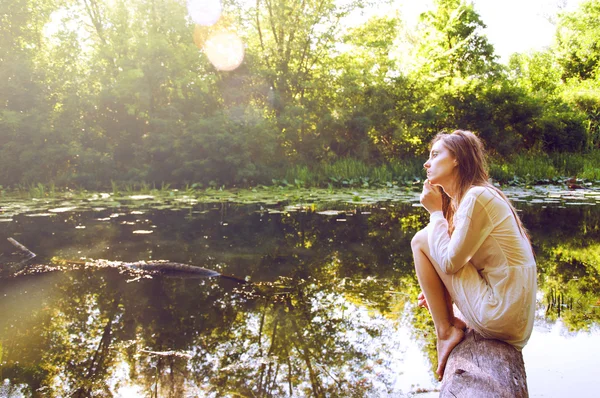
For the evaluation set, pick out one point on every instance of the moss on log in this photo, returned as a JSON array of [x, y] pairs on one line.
[[479, 367]]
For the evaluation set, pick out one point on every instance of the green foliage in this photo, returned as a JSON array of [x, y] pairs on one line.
[[538, 73], [562, 131], [578, 38], [540, 167], [584, 96], [530, 168], [349, 172], [570, 164], [591, 166], [120, 92], [502, 115], [454, 45], [40, 190]]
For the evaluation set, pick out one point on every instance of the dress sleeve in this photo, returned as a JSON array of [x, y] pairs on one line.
[[472, 225]]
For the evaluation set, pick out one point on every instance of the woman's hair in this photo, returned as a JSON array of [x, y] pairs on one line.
[[470, 156]]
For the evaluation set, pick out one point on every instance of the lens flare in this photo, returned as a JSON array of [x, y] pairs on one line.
[[204, 12], [225, 50]]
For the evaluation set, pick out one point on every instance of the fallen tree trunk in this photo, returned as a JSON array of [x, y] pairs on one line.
[[156, 267], [479, 367]]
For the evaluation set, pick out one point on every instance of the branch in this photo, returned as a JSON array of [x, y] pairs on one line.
[[91, 7], [28, 253], [142, 268], [270, 8]]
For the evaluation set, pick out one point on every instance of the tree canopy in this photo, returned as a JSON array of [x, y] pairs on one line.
[[94, 91]]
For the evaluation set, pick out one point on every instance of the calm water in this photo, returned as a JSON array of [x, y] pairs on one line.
[[328, 309]]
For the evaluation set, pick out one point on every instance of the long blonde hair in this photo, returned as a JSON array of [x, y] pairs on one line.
[[469, 152]]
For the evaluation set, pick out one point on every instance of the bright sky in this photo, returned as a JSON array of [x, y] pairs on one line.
[[512, 25]]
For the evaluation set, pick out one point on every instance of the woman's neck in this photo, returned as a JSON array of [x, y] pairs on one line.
[[449, 189]]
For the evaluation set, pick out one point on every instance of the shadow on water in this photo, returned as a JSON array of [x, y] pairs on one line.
[[328, 290]]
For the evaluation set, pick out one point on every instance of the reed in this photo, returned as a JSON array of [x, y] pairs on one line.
[[539, 166], [591, 166]]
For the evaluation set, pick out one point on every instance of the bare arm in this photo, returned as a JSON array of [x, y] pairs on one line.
[[472, 226]]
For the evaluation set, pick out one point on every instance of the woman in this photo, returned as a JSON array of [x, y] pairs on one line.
[[475, 252]]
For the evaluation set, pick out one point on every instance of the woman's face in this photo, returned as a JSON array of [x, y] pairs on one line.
[[441, 165]]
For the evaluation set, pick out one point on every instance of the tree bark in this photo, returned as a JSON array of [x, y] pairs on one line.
[[479, 367]]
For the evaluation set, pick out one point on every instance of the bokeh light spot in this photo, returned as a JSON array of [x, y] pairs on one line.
[[204, 12], [225, 50]]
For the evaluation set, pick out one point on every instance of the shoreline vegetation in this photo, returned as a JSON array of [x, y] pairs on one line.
[[129, 99], [575, 171]]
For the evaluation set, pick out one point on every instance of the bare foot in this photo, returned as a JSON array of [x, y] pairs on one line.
[[445, 345], [459, 323]]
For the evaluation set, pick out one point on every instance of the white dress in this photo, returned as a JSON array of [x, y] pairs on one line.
[[492, 266]]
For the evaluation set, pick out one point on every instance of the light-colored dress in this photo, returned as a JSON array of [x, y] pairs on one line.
[[492, 266]]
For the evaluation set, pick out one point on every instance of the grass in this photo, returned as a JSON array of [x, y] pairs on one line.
[[353, 173], [543, 168], [528, 168], [591, 167], [40, 190]]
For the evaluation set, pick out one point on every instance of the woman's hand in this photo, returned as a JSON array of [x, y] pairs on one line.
[[422, 301], [431, 197]]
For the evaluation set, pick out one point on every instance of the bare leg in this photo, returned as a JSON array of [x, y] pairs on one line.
[[436, 294], [456, 321]]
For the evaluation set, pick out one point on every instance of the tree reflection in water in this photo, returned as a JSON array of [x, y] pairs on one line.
[[320, 319], [568, 254], [171, 338]]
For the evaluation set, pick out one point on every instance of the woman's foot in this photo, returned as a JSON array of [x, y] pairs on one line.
[[445, 345]]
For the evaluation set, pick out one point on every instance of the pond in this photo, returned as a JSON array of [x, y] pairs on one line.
[[321, 299]]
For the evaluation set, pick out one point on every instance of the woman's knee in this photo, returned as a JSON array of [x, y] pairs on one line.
[[419, 241]]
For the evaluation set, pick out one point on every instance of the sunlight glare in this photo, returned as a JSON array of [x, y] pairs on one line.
[[204, 12], [225, 50]]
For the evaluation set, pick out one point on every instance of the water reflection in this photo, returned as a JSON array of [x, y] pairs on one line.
[[323, 314]]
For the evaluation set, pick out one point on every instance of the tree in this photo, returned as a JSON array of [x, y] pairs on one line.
[[454, 45], [578, 53], [364, 101], [25, 106], [539, 73], [291, 43], [578, 42]]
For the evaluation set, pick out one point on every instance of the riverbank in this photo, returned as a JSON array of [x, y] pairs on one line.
[[573, 170]]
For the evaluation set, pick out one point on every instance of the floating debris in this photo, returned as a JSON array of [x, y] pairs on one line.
[[331, 212], [140, 197], [62, 209]]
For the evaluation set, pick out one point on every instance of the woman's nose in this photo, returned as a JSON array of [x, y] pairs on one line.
[[426, 164]]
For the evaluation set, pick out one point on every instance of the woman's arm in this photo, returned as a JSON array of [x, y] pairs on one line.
[[472, 225]]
